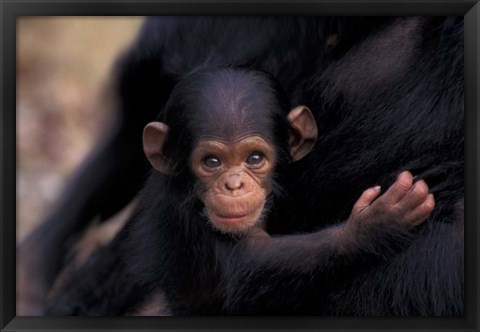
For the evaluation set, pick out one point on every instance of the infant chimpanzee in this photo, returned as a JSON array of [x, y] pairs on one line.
[[218, 150]]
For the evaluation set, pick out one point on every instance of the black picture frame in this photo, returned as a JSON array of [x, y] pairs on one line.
[[9, 12]]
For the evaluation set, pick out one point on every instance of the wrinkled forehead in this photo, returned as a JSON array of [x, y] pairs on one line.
[[234, 124], [230, 110]]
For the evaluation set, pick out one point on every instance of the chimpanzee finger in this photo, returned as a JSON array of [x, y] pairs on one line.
[[401, 186], [414, 197], [366, 199], [421, 212]]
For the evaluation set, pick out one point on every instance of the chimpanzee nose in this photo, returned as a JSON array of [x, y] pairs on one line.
[[234, 182]]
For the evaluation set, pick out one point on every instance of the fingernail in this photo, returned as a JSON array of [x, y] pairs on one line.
[[377, 188]]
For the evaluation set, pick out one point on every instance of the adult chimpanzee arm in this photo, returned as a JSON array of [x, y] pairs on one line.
[[104, 190], [102, 286], [107, 180]]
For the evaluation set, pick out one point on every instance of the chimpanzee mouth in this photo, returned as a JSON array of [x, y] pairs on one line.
[[230, 218]]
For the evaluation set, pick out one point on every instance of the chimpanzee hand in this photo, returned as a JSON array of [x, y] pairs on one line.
[[379, 225], [405, 204]]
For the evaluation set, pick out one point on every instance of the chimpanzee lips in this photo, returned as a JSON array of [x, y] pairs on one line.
[[233, 215], [231, 218]]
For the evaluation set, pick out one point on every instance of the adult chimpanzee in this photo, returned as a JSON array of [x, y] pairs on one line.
[[223, 141], [387, 95]]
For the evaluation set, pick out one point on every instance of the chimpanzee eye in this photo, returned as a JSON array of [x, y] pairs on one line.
[[255, 159], [212, 162]]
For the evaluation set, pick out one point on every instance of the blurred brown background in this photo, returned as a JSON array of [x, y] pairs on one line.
[[63, 67]]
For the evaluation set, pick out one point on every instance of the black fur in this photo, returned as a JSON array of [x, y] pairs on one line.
[[387, 96]]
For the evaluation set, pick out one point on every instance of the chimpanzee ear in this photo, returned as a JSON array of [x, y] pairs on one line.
[[302, 120], [154, 138]]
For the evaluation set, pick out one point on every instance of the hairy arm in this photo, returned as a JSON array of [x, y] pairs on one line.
[[376, 228]]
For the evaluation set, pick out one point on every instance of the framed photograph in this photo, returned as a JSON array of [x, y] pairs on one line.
[[250, 166]]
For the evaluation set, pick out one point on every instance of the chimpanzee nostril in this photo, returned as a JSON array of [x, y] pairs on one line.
[[234, 182]]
